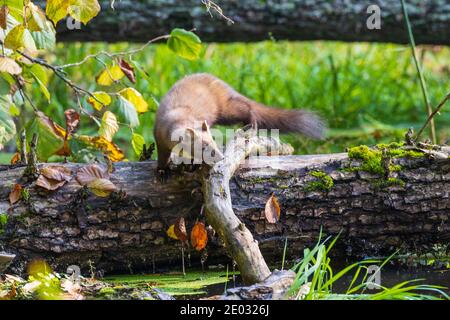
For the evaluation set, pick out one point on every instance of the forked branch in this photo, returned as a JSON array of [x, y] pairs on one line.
[[219, 211]]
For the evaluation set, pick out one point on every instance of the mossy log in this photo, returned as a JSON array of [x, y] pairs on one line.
[[127, 230], [342, 20]]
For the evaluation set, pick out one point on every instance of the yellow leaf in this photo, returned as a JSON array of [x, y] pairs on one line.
[[102, 187], [10, 66], [36, 19], [84, 10], [135, 98], [56, 10], [101, 96], [20, 37], [111, 149], [110, 75], [171, 232], [109, 126]]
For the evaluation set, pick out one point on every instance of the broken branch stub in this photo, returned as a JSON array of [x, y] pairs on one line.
[[219, 211]]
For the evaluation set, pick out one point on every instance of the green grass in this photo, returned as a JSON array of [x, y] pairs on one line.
[[315, 279], [368, 93], [5, 158]]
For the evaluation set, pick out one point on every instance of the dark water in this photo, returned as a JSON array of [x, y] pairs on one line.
[[390, 276]]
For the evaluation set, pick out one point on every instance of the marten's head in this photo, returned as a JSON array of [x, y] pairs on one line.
[[197, 144]]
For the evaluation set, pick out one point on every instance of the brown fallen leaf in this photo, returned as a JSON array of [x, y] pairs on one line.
[[16, 194], [128, 70], [87, 174], [180, 229], [102, 187], [199, 236], [53, 177], [272, 210], [49, 184], [58, 173]]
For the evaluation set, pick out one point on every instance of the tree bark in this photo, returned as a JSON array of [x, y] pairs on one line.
[[342, 20], [127, 231]]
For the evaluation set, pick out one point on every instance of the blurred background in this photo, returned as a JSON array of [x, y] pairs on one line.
[[368, 93]]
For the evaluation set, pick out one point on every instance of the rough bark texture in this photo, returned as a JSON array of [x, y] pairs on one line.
[[126, 233], [343, 20], [219, 208]]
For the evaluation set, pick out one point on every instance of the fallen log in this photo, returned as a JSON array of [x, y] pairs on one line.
[[342, 20], [127, 230]]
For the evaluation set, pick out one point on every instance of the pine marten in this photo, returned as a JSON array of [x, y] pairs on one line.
[[203, 98]]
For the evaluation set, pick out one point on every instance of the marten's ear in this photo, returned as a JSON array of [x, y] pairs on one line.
[[205, 126], [192, 132]]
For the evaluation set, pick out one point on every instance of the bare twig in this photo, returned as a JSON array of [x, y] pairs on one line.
[[430, 117], [211, 5], [57, 71], [113, 55], [32, 171], [23, 147]]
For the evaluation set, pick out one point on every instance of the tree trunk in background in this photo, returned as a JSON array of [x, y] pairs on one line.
[[126, 233], [343, 20]]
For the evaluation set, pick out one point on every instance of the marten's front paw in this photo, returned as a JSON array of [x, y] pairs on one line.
[[163, 175]]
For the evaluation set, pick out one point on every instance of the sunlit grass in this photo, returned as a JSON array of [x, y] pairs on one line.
[[368, 93]]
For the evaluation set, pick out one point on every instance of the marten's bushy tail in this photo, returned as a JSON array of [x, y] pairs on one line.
[[301, 121]]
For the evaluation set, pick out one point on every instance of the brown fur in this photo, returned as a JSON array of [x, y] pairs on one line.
[[203, 97]]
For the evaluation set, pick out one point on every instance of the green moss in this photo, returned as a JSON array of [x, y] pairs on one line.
[[373, 157], [25, 193], [382, 183], [3, 222], [107, 291], [324, 183]]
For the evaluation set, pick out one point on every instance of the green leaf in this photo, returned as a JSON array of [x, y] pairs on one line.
[[5, 87], [49, 141], [45, 39], [15, 8], [184, 43], [127, 112], [137, 143], [7, 126], [42, 86]]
